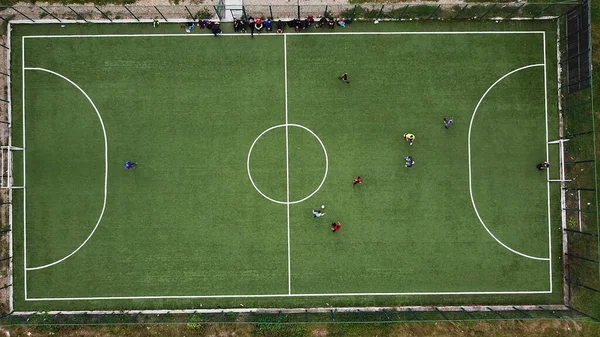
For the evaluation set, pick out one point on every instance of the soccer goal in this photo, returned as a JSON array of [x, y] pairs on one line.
[[6, 167]]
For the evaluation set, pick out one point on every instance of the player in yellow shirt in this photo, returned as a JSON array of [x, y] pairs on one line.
[[410, 138]]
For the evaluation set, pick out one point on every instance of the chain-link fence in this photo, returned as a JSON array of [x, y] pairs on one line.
[[394, 11], [296, 316], [578, 149]]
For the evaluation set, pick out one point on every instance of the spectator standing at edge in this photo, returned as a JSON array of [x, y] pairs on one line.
[[251, 24]]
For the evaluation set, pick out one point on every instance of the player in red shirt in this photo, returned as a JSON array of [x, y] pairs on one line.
[[357, 180], [336, 226]]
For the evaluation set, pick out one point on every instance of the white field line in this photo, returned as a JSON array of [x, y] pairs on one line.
[[295, 201], [24, 173], [470, 175], [290, 295], [548, 160], [105, 167], [287, 165], [266, 295], [285, 34]]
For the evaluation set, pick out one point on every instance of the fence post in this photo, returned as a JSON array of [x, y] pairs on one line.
[[325, 13], [106, 16], [522, 312], [42, 8], [403, 12], [441, 313], [190, 13], [354, 11], [486, 13], [468, 313], [244, 16], [542, 11], [298, 10], [16, 10], [271, 12], [79, 15], [380, 11], [515, 11], [435, 11], [217, 12], [460, 11], [130, 12], [161, 14]]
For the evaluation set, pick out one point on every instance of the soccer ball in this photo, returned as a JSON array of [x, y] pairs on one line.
[[322, 206]]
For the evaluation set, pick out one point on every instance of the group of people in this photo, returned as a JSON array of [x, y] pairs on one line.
[[258, 25], [214, 26], [335, 226]]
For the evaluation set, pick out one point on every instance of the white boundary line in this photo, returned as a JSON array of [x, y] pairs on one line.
[[261, 295], [548, 160], [287, 165], [290, 295], [24, 171], [470, 174], [105, 167], [341, 33]]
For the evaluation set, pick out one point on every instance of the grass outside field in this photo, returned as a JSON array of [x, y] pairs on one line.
[[189, 222]]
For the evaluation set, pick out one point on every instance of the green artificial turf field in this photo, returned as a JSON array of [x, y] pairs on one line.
[[473, 222]]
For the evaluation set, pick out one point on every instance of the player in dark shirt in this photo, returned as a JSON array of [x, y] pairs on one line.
[[344, 78], [543, 165], [130, 165], [448, 122]]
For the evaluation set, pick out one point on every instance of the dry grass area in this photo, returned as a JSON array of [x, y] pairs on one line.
[[446, 329]]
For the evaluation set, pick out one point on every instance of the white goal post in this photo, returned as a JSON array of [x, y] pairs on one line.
[[561, 151], [6, 166]]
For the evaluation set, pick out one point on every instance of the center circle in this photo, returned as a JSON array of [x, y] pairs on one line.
[[295, 201]]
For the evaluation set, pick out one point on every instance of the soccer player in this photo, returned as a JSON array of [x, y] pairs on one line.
[[344, 78], [448, 122], [409, 161], [130, 165], [410, 138], [357, 180], [317, 213], [543, 165], [336, 226]]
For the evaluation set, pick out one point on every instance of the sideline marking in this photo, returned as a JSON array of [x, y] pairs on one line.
[[470, 180], [277, 295], [287, 164], [548, 160], [295, 201], [24, 173], [105, 166], [288, 295], [285, 34]]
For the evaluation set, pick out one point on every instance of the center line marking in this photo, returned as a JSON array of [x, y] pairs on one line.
[[287, 163]]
